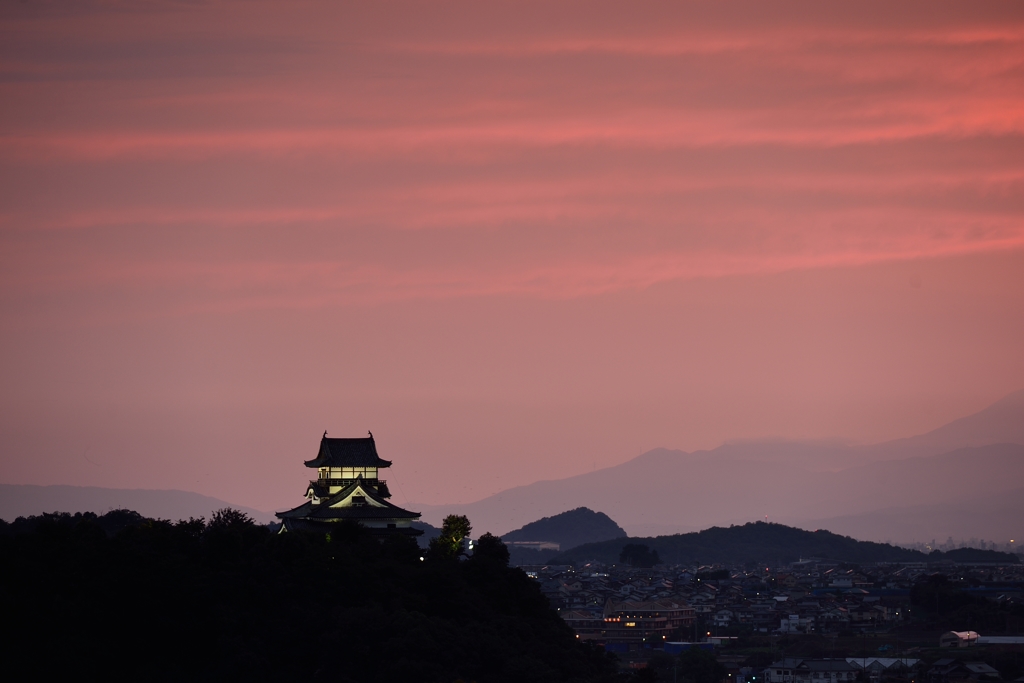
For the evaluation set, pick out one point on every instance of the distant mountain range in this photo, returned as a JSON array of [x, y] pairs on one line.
[[759, 542], [1001, 422], [986, 517], [25, 500], [961, 480]]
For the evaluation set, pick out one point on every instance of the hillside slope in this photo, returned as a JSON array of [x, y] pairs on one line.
[[569, 529], [759, 542]]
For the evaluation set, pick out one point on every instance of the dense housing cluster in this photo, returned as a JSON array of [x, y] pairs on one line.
[[870, 621]]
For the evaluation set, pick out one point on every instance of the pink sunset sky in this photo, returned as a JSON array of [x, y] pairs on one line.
[[517, 241]]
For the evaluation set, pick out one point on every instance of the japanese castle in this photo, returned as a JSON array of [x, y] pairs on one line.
[[347, 488]]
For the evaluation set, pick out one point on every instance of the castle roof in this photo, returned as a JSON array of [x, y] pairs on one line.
[[326, 511], [347, 453]]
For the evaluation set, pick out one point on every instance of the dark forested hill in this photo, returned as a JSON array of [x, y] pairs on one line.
[[23, 500], [569, 529], [125, 598], [765, 542]]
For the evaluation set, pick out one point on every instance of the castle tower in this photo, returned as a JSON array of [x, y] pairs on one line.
[[348, 487]]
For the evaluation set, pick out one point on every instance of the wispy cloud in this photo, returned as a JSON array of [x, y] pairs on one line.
[[349, 155]]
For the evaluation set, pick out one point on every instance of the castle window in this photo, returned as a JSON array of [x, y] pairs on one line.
[[359, 500], [353, 472]]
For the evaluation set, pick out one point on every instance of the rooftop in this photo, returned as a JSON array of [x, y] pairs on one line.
[[347, 453], [325, 511]]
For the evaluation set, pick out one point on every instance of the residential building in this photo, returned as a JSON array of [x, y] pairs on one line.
[[810, 671]]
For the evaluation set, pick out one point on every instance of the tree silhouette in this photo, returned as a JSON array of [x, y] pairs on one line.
[[639, 555], [449, 543], [492, 549], [227, 519]]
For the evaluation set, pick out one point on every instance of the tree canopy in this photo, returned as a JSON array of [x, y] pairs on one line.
[[230, 600], [639, 555], [449, 543]]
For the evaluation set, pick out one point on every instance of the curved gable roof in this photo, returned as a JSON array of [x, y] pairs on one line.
[[326, 511], [347, 453]]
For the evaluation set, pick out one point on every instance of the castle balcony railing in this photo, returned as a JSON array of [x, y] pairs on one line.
[[346, 482]]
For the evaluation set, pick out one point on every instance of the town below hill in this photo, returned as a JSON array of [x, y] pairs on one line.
[[810, 621], [767, 603]]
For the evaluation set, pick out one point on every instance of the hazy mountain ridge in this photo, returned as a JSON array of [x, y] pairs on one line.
[[800, 483], [1001, 422], [703, 489], [961, 480], [1000, 514], [768, 542]]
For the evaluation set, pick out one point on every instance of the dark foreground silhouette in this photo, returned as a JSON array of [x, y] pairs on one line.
[[118, 597]]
